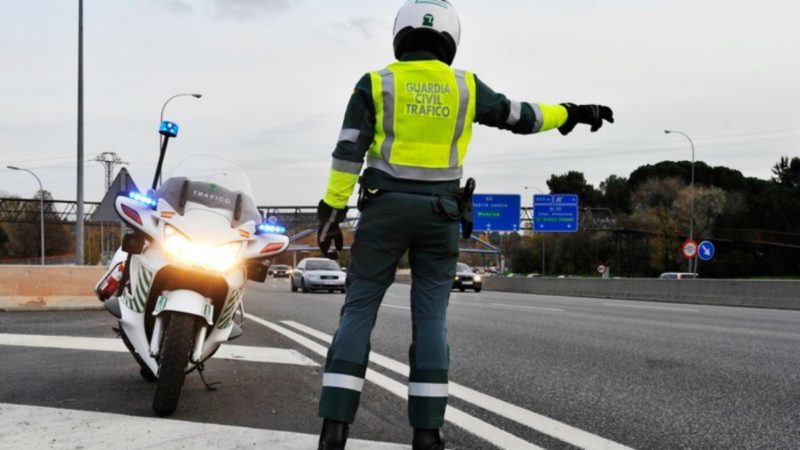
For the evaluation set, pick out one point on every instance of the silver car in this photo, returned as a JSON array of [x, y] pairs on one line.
[[318, 274]]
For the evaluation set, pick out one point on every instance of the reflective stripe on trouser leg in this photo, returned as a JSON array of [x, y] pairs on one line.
[[379, 245], [341, 389], [348, 356], [433, 268]]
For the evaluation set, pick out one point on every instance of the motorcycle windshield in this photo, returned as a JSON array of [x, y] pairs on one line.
[[211, 182]]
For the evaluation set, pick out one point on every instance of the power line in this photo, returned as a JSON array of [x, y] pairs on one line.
[[110, 160]]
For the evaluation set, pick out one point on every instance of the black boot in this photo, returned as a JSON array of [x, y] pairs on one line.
[[427, 440], [334, 435]]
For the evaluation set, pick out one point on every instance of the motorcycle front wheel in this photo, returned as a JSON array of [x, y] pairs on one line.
[[175, 353]]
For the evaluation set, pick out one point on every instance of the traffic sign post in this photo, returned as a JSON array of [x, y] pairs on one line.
[[706, 251], [555, 213], [496, 213], [689, 249]]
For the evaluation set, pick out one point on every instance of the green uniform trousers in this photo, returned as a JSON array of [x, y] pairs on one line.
[[391, 224]]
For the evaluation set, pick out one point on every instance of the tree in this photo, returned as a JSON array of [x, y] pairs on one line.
[[724, 178], [525, 257], [574, 183], [652, 205], [709, 203], [3, 241], [615, 193], [25, 236], [787, 172]]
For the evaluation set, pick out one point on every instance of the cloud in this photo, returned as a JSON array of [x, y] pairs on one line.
[[366, 25], [235, 9], [341, 31], [178, 6], [246, 9]]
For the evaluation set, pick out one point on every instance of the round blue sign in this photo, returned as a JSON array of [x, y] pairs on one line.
[[706, 251]]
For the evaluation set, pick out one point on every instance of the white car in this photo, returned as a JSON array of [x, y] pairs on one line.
[[318, 274], [678, 276]]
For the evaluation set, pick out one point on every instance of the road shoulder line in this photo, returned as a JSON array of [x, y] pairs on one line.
[[455, 416], [25, 426], [535, 421], [115, 345]]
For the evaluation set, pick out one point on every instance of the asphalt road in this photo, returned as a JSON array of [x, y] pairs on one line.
[[527, 371]]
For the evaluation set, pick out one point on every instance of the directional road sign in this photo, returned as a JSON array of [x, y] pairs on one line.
[[555, 213], [706, 251], [496, 212]]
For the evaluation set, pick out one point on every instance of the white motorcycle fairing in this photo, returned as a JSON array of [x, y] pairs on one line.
[[193, 246]]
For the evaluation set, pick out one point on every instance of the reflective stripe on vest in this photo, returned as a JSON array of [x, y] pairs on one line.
[[425, 112]]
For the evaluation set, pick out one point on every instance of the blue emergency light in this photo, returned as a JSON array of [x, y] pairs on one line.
[[143, 199], [271, 229], [169, 129]]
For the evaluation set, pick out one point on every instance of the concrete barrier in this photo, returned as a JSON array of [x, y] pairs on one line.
[[745, 293], [30, 288]]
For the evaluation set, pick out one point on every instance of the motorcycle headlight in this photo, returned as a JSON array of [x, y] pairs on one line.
[[180, 249]]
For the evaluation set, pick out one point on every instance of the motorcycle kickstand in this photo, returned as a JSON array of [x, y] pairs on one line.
[[209, 386]]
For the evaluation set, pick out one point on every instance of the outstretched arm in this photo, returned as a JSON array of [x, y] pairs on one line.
[[496, 110]]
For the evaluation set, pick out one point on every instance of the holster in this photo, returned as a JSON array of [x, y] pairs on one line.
[[465, 203], [364, 196]]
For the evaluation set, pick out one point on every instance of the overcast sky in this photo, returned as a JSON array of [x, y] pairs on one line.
[[276, 76]]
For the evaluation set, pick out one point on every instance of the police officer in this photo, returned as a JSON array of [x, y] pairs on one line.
[[412, 122]]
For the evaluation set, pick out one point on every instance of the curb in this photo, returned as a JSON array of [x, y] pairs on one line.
[[55, 303]]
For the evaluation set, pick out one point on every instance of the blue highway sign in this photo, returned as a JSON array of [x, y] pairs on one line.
[[555, 213], [496, 212], [706, 251]]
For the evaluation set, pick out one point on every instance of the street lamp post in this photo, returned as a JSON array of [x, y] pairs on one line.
[[544, 254], [41, 206], [163, 108], [691, 208]]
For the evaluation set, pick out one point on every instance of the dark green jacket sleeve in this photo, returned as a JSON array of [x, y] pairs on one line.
[[496, 110], [354, 141]]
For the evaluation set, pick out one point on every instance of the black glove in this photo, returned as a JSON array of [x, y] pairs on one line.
[[593, 115], [329, 232]]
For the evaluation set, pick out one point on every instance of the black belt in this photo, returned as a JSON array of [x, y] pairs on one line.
[[463, 196]]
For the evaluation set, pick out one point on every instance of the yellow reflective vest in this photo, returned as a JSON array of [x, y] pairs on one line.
[[425, 111]]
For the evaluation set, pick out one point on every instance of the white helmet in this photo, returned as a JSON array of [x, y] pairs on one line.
[[427, 25]]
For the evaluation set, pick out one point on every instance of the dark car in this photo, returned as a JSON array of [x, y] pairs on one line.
[[467, 279], [318, 274], [280, 271]]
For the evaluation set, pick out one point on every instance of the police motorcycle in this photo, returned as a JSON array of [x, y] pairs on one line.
[[176, 285]]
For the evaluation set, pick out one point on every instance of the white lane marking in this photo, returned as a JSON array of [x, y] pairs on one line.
[[397, 307], [538, 422], [661, 308], [459, 418], [227, 352], [537, 308], [40, 427], [263, 355]]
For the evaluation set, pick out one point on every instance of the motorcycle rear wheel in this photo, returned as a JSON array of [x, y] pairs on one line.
[[175, 352]]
